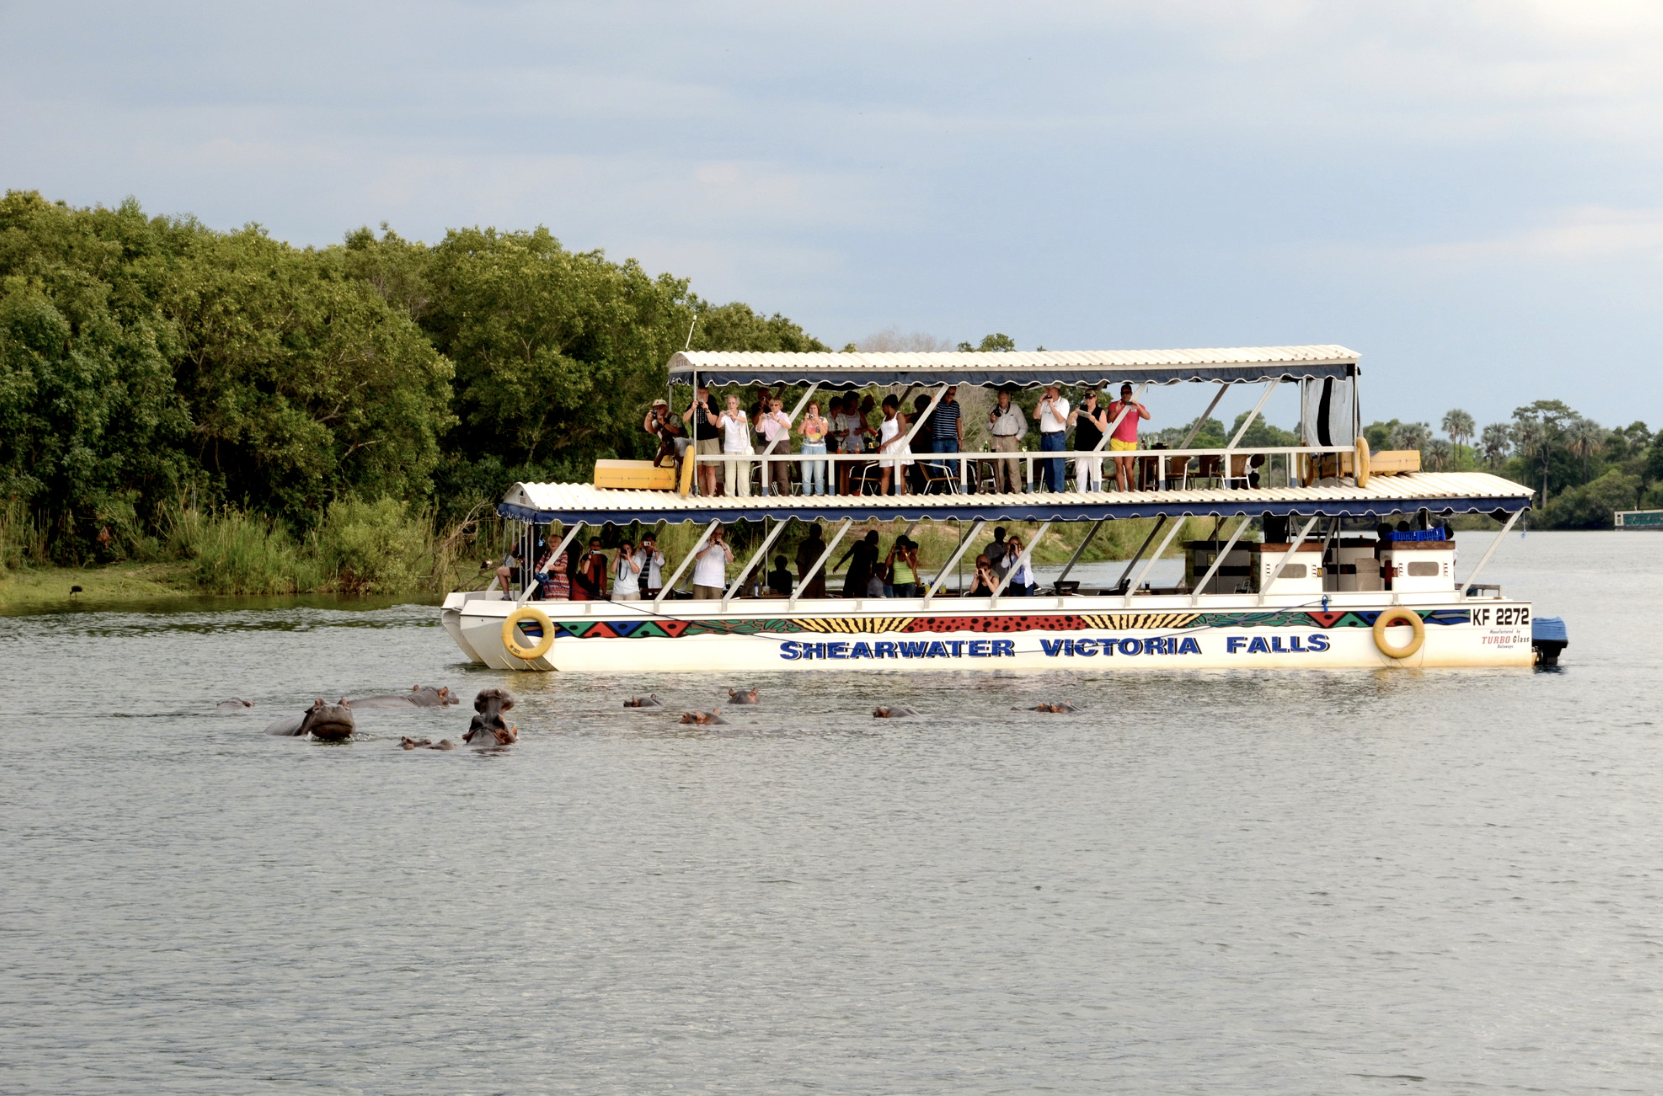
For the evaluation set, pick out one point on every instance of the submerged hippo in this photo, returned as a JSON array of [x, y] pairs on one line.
[[895, 711], [235, 704], [488, 727], [704, 719], [743, 698], [651, 701], [1049, 706], [426, 744], [419, 696], [329, 722]]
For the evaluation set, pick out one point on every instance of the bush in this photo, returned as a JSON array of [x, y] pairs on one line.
[[237, 553], [375, 547], [1591, 506]]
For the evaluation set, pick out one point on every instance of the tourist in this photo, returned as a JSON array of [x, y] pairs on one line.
[[926, 437], [736, 441], [902, 564], [626, 574], [985, 580], [1052, 416], [997, 553], [1090, 422], [862, 557], [891, 444], [707, 436], [814, 430], [1005, 422], [649, 566], [808, 554], [1021, 581], [589, 583], [947, 432], [710, 566], [853, 429], [1125, 436], [779, 579], [776, 431]]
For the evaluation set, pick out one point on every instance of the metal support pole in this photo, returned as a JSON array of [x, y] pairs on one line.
[[1027, 554], [1147, 567], [1085, 542], [559, 551], [1160, 522], [1211, 407], [831, 547], [1494, 544], [760, 553], [683, 565], [1218, 561], [1253, 414], [1286, 556], [947, 568]]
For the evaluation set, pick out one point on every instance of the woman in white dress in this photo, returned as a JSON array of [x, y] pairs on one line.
[[892, 443]]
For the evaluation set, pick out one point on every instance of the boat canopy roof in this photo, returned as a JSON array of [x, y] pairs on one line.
[[1018, 368], [1439, 492]]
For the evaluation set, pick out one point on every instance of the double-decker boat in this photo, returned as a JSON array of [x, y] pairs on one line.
[[1335, 581]]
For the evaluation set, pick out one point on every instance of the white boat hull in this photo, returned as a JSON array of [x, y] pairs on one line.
[[1040, 633]]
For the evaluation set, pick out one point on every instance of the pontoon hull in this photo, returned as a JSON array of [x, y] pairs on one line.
[[1045, 633]]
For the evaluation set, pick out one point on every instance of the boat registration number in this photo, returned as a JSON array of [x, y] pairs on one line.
[[1501, 616]]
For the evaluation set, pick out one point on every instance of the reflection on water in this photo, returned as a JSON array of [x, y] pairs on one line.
[[1237, 881]]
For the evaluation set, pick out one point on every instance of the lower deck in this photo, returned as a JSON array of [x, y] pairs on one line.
[[1047, 632]]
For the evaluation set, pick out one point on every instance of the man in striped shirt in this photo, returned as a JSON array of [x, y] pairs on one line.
[[946, 431]]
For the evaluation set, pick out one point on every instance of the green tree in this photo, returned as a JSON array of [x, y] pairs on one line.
[[1539, 429], [1459, 426], [1495, 442], [991, 344]]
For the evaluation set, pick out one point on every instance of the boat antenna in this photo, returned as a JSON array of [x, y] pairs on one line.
[[690, 328]]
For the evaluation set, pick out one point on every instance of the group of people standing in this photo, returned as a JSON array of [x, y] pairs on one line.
[[636, 572], [854, 424]]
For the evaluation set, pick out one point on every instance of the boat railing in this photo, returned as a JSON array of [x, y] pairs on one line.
[[1165, 466]]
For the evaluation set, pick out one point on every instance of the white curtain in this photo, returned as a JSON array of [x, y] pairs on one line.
[[1326, 411]]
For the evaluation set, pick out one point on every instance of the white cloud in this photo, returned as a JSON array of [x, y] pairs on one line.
[[1586, 235]]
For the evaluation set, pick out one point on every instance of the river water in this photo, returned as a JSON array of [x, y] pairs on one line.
[[1248, 882]]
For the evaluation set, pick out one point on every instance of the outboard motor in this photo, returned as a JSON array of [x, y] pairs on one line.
[[1548, 637]]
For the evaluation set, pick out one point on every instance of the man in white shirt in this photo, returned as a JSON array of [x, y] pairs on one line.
[[1008, 430], [1052, 416], [710, 567]]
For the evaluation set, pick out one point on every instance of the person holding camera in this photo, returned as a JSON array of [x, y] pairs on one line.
[[1125, 436], [649, 567], [776, 430], [736, 439], [710, 566], [707, 436], [1052, 416], [672, 439]]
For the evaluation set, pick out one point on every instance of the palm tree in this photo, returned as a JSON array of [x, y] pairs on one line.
[[1585, 436], [1438, 454], [1459, 426], [1411, 435], [1495, 442]]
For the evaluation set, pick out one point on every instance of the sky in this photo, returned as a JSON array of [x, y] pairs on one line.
[[1469, 193]]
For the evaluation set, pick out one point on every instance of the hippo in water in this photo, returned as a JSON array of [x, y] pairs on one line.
[[488, 727], [426, 744], [235, 704], [704, 719], [651, 701], [419, 696], [1049, 706], [895, 711], [738, 697], [329, 722]]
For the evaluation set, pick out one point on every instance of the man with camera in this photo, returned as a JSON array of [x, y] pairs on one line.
[[710, 567]]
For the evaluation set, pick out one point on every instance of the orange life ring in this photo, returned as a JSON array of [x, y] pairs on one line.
[[1398, 616]]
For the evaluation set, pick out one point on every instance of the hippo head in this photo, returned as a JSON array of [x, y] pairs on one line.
[[329, 722], [426, 696], [488, 726]]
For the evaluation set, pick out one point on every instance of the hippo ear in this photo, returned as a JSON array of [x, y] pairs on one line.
[[507, 703]]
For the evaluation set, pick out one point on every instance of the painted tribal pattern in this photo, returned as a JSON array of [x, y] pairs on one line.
[[1001, 624]]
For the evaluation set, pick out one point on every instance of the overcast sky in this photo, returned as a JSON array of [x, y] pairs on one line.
[[1465, 192]]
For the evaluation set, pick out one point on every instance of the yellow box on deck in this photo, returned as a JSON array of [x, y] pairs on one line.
[[635, 475], [1391, 462]]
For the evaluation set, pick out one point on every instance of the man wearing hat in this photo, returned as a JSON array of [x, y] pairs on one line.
[[671, 438]]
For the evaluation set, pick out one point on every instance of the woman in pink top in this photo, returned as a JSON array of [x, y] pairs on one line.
[[1125, 436]]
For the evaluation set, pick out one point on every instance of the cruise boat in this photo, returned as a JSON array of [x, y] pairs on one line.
[[1300, 571]]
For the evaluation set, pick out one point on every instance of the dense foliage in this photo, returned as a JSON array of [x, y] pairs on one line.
[[151, 365]]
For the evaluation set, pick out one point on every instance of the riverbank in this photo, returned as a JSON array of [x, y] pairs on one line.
[[33, 589]]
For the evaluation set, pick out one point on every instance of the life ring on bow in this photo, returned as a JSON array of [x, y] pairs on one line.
[[1398, 616], [511, 638]]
